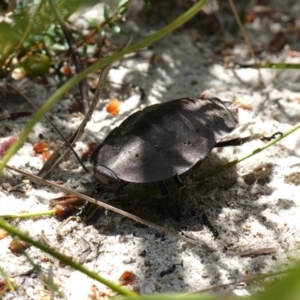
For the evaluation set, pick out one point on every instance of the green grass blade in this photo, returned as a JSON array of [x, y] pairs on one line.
[[254, 152], [287, 287], [15, 232], [59, 93]]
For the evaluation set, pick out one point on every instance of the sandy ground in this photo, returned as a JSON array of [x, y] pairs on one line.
[[248, 214]]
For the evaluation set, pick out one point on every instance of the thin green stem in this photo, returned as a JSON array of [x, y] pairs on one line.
[[256, 151], [29, 214], [270, 65], [59, 93], [15, 232], [6, 278]]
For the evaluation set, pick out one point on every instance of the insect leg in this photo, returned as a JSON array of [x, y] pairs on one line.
[[120, 188], [207, 223], [241, 141], [199, 209], [273, 136], [234, 142], [179, 183], [163, 188]]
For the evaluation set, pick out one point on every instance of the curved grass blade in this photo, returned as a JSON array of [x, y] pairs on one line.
[[59, 93]]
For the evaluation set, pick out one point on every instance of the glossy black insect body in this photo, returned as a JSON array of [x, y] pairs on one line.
[[162, 141]]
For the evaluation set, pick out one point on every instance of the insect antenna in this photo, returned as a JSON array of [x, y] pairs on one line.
[[240, 141]]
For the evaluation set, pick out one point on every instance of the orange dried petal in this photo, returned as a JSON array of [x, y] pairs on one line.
[[3, 233], [45, 156], [41, 146], [113, 106], [128, 278]]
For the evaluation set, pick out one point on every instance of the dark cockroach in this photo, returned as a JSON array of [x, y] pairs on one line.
[[162, 141]]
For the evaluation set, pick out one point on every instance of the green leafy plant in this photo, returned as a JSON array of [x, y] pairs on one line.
[[27, 22]]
